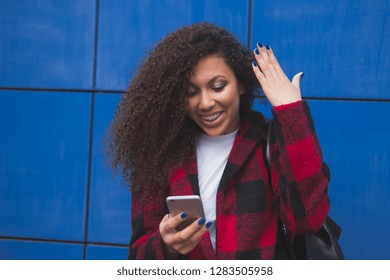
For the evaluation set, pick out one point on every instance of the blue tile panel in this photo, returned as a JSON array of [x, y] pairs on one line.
[[355, 139], [47, 44], [39, 250], [341, 46], [109, 212], [128, 29], [98, 252], [43, 164]]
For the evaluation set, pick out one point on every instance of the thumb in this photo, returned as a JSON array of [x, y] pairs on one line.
[[297, 79], [166, 218]]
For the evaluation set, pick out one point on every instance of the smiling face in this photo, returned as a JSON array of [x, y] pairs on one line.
[[214, 99]]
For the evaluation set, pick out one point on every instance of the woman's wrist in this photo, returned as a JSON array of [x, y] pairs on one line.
[[282, 107]]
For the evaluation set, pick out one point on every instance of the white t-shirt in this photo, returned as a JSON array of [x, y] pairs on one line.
[[212, 154]]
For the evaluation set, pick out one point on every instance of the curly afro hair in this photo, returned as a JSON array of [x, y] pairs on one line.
[[150, 132]]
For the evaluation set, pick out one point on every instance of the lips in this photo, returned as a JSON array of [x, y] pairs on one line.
[[211, 118]]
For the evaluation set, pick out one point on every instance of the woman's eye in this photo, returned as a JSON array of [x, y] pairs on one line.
[[218, 88], [192, 92]]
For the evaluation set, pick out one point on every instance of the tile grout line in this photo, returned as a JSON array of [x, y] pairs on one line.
[[87, 206], [249, 39], [72, 90], [32, 239]]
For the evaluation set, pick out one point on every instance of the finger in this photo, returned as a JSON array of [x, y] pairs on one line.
[[297, 80], [198, 234], [278, 69], [168, 228], [265, 62], [191, 236], [181, 239], [166, 217], [173, 221], [189, 231], [259, 75], [163, 224]]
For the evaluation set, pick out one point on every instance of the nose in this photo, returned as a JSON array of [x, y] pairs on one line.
[[206, 101]]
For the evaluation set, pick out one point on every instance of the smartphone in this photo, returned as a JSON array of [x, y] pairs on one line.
[[191, 204]]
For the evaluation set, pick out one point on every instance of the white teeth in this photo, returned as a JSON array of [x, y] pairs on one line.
[[211, 118]]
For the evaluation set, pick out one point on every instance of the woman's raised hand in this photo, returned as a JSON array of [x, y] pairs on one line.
[[184, 241], [276, 86]]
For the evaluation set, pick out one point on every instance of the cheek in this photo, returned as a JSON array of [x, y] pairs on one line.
[[233, 102], [234, 108]]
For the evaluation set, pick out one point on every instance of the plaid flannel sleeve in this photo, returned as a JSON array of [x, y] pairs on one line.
[[146, 215], [299, 176]]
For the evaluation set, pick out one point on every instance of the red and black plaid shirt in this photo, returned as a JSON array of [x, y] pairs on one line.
[[247, 206]]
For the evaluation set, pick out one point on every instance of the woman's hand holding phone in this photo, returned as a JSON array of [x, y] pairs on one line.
[[181, 242]]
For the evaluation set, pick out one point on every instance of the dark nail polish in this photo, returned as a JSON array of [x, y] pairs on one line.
[[209, 224], [254, 63], [201, 221], [184, 215], [257, 51], [267, 47], [260, 44]]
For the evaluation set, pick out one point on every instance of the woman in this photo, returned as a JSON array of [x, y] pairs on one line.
[[185, 126]]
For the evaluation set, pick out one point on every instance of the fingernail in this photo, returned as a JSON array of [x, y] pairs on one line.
[[268, 47], [260, 44], [209, 224], [254, 63], [257, 51], [302, 75], [184, 215], [169, 215], [201, 221]]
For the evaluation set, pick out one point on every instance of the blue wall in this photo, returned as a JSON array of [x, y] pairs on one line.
[[65, 64]]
